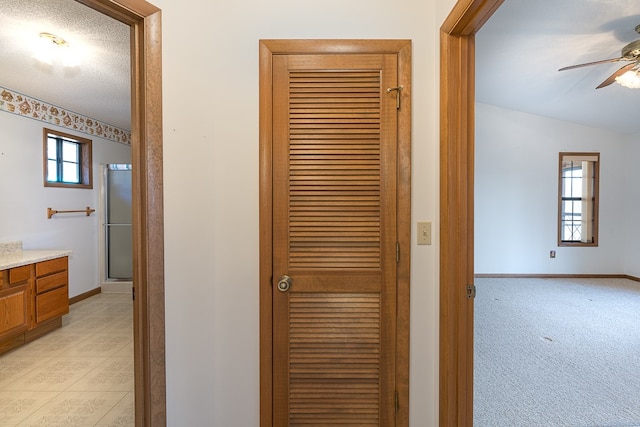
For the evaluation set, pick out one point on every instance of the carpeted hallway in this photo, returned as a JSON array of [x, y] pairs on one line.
[[557, 352]]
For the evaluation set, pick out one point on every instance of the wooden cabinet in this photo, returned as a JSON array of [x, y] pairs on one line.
[[33, 298], [14, 301], [52, 289]]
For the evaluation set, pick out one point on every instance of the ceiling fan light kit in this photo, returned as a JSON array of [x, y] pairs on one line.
[[629, 74], [630, 79]]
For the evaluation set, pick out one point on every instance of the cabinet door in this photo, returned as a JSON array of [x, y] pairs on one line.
[[52, 304], [13, 311]]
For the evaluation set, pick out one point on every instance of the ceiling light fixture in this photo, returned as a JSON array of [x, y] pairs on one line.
[[58, 41], [51, 47], [630, 79]]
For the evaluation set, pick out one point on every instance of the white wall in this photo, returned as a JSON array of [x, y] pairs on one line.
[[210, 90], [24, 199], [632, 207], [516, 190]]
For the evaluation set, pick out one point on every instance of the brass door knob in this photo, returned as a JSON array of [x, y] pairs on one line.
[[284, 284]]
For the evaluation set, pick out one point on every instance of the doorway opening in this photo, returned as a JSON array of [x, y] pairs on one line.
[[147, 203], [457, 105]]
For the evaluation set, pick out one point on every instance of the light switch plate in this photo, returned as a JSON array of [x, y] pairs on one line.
[[424, 233]]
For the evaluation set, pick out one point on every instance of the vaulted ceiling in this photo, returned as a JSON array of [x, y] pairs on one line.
[[521, 48]]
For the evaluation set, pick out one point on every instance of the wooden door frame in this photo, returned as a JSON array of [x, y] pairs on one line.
[[148, 237], [457, 106], [268, 48]]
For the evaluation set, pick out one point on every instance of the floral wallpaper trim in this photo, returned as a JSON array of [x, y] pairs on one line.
[[22, 105]]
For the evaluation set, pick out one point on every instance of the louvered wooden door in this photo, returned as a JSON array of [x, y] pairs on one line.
[[334, 234]]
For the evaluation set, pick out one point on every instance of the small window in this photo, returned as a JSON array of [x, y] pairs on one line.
[[578, 199], [67, 160]]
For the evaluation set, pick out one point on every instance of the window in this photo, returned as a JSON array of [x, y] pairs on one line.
[[578, 199], [67, 160]]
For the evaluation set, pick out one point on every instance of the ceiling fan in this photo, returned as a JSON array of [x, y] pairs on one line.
[[630, 53]]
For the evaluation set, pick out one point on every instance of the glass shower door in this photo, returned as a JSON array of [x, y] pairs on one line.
[[118, 231]]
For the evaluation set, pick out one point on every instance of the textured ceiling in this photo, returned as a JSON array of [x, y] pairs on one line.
[[519, 51], [98, 88], [521, 48]]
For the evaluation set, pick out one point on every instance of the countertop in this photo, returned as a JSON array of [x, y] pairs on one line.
[[18, 258]]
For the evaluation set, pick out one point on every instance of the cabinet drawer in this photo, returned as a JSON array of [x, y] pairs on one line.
[[52, 304], [51, 266], [19, 274], [51, 282], [13, 311]]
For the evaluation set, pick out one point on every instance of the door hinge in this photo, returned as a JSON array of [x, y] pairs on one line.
[[471, 291], [133, 293], [397, 252]]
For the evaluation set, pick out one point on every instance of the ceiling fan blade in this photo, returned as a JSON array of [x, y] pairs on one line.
[[604, 61], [612, 77]]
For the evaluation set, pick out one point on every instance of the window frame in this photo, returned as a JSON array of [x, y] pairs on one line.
[[595, 199], [85, 160]]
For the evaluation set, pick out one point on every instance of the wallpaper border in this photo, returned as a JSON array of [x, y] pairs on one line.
[[26, 106]]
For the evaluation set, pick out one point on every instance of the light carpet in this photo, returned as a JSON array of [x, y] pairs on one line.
[[557, 352]]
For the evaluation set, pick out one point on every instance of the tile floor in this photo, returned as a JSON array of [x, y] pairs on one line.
[[80, 375]]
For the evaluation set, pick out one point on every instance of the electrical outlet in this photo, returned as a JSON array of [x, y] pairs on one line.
[[424, 233], [552, 254]]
